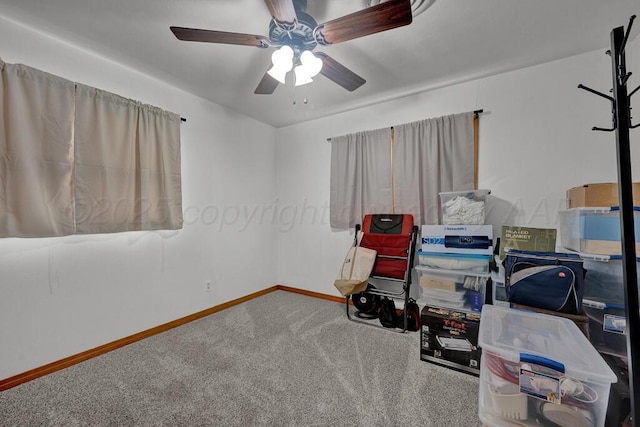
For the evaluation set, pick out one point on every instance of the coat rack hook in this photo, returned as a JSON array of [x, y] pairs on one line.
[[602, 129], [626, 35], [595, 92], [633, 91], [634, 126]]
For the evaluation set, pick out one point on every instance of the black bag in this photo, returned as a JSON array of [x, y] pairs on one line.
[[548, 280], [413, 316], [387, 314]]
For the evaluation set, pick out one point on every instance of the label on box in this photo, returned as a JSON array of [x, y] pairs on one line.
[[450, 337], [540, 382], [540, 377], [458, 239], [527, 239], [614, 324]]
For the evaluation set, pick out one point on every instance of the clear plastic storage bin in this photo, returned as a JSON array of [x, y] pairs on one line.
[[604, 279], [539, 370], [453, 289], [607, 327], [463, 207], [499, 290], [594, 230], [463, 262], [604, 303]]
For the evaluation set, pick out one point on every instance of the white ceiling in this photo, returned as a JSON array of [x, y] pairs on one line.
[[451, 42]]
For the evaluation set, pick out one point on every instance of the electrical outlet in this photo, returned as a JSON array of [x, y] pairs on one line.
[[207, 286]]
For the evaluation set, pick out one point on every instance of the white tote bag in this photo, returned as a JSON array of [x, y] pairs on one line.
[[356, 269]]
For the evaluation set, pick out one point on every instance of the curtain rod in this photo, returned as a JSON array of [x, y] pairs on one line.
[[475, 113]]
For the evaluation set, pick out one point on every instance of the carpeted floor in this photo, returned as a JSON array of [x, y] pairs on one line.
[[279, 360]]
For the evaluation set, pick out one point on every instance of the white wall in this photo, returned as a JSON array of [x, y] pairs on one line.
[[62, 296], [535, 143]]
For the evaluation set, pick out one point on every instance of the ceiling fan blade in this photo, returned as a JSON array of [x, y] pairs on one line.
[[340, 74], [267, 85], [210, 36], [282, 10], [381, 17]]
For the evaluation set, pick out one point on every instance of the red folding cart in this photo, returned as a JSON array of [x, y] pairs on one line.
[[394, 238]]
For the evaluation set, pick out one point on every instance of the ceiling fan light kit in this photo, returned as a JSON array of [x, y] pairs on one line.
[[282, 60], [296, 34], [309, 67]]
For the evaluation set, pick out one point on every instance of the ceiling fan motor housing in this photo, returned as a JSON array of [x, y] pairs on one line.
[[298, 36]]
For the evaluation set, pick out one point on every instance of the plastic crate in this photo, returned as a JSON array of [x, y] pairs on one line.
[[536, 367]]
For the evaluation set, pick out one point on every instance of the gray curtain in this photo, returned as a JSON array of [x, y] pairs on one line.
[[371, 172], [127, 158], [77, 160], [360, 177], [432, 156], [36, 153]]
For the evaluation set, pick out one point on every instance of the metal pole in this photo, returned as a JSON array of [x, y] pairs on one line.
[[627, 229]]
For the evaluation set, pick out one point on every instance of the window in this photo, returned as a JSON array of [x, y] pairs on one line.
[[401, 170], [78, 160]]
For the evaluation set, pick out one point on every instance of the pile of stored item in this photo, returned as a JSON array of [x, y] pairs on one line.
[[583, 284], [591, 226], [453, 270]]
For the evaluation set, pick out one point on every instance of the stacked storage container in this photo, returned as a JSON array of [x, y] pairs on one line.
[[592, 227], [539, 370], [453, 269]]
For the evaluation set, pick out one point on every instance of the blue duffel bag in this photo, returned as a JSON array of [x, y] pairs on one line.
[[548, 280]]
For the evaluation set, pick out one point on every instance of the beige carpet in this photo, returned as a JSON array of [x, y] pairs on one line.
[[279, 360]]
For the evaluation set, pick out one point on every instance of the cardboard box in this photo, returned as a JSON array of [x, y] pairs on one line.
[[527, 239], [432, 282], [450, 338], [598, 195], [458, 239]]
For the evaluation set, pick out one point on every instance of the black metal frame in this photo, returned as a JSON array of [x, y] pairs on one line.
[[621, 112], [401, 294]]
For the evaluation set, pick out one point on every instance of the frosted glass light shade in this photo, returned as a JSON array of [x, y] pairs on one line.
[[309, 67], [282, 60]]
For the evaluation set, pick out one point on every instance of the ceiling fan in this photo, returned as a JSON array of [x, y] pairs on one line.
[[295, 33]]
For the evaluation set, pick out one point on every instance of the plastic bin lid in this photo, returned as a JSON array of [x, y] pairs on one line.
[[599, 209], [602, 258], [455, 273], [452, 193], [454, 255], [510, 332]]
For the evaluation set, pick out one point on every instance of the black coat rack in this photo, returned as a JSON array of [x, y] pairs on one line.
[[621, 118]]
